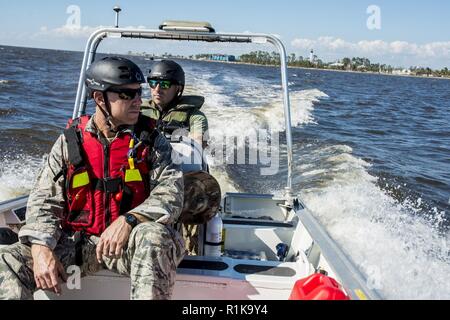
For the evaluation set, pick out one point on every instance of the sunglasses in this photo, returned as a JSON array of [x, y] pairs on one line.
[[127, 94], [163, 84]]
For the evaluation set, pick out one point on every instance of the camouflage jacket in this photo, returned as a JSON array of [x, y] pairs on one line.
[[46, 204]]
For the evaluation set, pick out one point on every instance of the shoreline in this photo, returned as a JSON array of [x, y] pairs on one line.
[[376, 73], [328, 70], [251, 64]]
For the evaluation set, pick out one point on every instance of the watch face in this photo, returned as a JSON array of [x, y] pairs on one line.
[[131, 219]]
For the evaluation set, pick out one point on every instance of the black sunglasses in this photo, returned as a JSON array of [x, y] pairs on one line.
[[126, 94]]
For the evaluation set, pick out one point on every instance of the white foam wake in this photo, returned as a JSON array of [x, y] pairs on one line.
[[403, 254], [244, 121], [261, 107], [17, 176]]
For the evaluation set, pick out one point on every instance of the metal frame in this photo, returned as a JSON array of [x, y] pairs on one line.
[[100, 35]]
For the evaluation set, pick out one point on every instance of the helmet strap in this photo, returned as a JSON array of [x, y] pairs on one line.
[[180, 93], [107, 113]]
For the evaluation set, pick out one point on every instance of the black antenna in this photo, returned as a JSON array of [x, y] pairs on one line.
[[117, 10]]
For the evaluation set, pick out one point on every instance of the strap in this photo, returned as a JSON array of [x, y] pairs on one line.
[[146, 131], [215, 244], [127, 200], [148, 138], [74, 144], [79, 248], [170, 127], [109, 185], [60, 174]]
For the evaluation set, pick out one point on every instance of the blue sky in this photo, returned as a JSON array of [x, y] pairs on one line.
[[410, 33]]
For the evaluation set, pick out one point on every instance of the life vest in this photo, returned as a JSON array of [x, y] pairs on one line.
[[105, 181], [177, 117]]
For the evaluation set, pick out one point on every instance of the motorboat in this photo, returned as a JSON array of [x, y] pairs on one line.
[[272, 247]]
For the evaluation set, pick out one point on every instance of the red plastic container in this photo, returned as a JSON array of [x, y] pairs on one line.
[[317, 287]]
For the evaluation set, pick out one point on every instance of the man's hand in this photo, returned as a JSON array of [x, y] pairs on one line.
[[113, 239], [47, 268]]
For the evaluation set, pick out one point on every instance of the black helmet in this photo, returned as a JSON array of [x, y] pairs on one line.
[[112, 71], [167, 70]]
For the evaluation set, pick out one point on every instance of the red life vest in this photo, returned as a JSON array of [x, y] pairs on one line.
[[105, 181]]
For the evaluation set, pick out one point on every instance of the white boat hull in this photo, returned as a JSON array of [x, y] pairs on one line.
[[253, 224]]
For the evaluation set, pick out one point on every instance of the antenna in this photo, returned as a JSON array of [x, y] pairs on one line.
[[117, 10]]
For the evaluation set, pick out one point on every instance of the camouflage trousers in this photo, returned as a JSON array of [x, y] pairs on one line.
[[190, 236], [150, 260]]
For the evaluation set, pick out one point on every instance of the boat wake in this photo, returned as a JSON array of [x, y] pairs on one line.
[[248, 117], [403, 254], [17, 175]]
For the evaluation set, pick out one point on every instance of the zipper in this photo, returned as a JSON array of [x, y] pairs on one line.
[[105, 176]]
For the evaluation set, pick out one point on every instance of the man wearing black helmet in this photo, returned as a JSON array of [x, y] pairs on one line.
[[107, 197], [176, 114], [169, 107]]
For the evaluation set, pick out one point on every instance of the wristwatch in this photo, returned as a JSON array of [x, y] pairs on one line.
[[131, 220]]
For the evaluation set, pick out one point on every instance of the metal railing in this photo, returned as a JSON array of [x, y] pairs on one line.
[[99, 35]]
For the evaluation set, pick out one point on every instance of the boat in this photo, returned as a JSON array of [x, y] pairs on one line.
[[273, 248]]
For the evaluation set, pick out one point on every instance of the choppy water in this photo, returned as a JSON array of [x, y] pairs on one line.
[[372, 152]]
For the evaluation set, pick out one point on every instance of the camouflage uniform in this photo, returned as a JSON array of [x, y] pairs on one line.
[[190, 233], [154, 248], [185, 115]]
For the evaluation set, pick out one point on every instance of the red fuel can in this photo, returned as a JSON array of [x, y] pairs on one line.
[[317, 287]]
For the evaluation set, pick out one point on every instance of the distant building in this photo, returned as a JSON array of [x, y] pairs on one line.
[[222, 57], [311, 56], [361, 68], [336, 65], [402, 72]]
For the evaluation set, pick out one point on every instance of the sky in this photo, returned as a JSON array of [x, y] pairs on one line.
[[401, 33]]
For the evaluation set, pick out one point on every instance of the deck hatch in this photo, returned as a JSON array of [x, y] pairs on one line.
[[203, 265], [265, 270]]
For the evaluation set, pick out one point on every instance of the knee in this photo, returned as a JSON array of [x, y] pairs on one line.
[[154, 237], [10, 264], [15, 276], [7, 261], [8, 258], [152, 233], [14, 257]]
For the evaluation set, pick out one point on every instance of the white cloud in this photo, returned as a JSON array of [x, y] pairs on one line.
[[72, 32], [375, 47], [303, 43]]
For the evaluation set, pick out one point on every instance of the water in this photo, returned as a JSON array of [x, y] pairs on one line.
[[372, 152]]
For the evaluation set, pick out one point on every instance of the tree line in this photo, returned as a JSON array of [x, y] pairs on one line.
[[351, 64]]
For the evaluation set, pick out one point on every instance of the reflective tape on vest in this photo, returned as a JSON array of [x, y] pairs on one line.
[[80, 180], [133, 175]]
